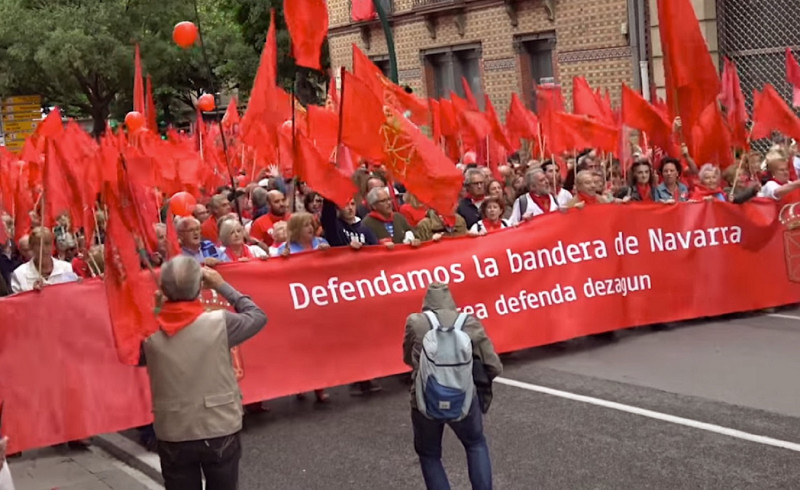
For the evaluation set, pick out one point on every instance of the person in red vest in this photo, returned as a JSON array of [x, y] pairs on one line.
[[218, 206], [262, 227]]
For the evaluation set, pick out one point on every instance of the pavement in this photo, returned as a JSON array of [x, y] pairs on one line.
[[708, 404]]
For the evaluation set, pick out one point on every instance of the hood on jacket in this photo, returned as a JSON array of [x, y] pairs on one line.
[[438, 297]]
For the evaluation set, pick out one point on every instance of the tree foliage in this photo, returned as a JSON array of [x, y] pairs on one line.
[[78, 54]]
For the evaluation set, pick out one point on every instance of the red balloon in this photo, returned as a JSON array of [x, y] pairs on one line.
[[182, 204], [184, 34], [134, 121], [206, 103]]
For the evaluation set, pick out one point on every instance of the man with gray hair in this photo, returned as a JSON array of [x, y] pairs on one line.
[[197, 405], [538, 201], [192, 244], [388, 226], [470, 205], [218, 206]]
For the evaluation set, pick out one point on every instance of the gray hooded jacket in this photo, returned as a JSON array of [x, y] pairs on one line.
[[439, 300]]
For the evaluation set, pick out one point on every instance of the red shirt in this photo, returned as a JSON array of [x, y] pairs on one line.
[[210, 230], [262, 227]]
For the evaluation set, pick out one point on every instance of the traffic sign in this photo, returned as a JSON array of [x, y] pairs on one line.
[[18, 108], [23, 116], [20, 126], [22, 100]]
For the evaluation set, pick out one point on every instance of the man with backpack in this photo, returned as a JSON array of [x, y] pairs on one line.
[[453, 364]]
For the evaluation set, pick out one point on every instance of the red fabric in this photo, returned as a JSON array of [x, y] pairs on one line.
[[138, 83], [362, 118], [549, 100], [307, 21], [361, 10], [492, 226], [210, 230], [692, 79], [413, 215], [711, 139], [701, 192], [23, 204], [231, 116], [93, 393], [733, 100], [322, 175], [590, 103], [793, 76], [770, 113], [81, 267], [521, 122], [262, 227], [640, 114], [246, 253], [645, 192], [543, 202], [175, 315], [588, 198], [383, 219], [571, 132], [498, 133]]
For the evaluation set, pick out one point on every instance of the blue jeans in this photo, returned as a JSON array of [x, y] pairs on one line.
[[428, 445]]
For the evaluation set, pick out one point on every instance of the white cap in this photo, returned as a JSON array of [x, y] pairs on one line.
[[263, 183]]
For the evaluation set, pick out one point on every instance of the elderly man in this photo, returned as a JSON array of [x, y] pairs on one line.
[[261, 228], [538, 201], [192, 243], [385, 224], [470, 205], [200, 213], [218, 206], [197, 405], [42, 270], [259, 197]]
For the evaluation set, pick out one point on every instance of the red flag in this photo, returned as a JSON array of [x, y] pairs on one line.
[[692, 79], [23, 205], [362, 118], [712, 138], [231, 117], [571, 132], [549, 100], [472, 103], [151, 113], [771, 113], [130, 293], [793, 76], [733, 100], [307, 21], [415, 160], [498, 133], [640, 114], [259, 124], [320, 174], [361, 10], [173, 246], [138, 88], [585, 101], [521, 122]]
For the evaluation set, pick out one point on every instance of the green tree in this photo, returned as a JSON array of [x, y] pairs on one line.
[[78, 54]]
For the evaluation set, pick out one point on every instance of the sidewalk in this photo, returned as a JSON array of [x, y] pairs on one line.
[[58, 468]]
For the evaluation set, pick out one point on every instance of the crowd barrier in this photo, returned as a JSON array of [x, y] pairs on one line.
[[337, 316]]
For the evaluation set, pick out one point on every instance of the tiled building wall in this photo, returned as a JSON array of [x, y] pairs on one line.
[[591, 41]]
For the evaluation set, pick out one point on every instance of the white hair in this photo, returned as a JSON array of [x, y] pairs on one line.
[[373, 195], [181, 279]]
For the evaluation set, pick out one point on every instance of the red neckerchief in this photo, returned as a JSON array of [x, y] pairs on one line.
[[175, 315], [246, 253], [378, 216], [701, 192], [491, 226], [542, 201], [778, 181], [474, 199], [587, 198], [644, 192], [676, 194]]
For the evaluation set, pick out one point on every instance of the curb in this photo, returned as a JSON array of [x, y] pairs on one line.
[[131, 454]]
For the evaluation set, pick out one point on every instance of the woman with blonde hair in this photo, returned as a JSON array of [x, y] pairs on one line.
[[234, 249], [301, 235]]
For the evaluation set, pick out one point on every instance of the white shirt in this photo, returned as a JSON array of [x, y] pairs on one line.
[[531, 209], [768, 190], [563, 197], [24, 277], [479, 229]]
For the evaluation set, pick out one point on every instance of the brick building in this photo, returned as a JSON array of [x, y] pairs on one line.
[[503, 46]]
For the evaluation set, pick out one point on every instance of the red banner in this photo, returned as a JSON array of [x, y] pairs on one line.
[[337, 316]]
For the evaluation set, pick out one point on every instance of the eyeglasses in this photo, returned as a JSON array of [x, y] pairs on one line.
[[380, 201], [477, 183]]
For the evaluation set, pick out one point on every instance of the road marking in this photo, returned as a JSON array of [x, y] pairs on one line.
[[788, 317], [717, 429]]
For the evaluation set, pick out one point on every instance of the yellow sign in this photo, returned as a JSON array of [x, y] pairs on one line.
[[23, 116], [23, 100], [15, 145], [20, 136], [19, 126], [16, 109]]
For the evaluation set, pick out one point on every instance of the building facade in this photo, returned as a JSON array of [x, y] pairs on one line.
[[504, 46]]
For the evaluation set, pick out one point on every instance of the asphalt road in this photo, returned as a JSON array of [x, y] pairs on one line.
[[739, 373]]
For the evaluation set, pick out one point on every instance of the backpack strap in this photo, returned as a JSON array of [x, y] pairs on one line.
[[460, 321], [432, 319]]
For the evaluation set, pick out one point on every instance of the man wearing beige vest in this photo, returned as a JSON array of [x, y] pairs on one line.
[[197, 405]]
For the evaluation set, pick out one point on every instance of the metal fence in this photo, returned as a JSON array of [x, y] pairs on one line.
[[754, 34]]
